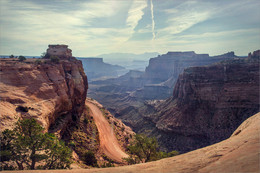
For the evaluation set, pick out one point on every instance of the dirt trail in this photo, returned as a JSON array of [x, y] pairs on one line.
[[108, 140]]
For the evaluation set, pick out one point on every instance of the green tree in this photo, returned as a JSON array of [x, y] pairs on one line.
[[26, 145], [145, 149], [59, 156], [21, 58], [11, 56]]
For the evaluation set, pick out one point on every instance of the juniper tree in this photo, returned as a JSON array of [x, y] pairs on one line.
[[26, 145]]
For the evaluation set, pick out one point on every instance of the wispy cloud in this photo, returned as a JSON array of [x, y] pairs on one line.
[[184, 16], [92, 27], [135, 13], [153, 23], [182, 22]]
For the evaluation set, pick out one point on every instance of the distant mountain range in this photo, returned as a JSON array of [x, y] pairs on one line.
[[129, 60]]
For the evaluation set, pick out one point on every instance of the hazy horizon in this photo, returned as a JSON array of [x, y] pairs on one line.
[[92, 28]]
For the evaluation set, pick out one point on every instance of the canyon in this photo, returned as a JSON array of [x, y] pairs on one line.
[[207, 105], [186, 100], [53, 90], [156, 82], [183, 100], [238, 153]]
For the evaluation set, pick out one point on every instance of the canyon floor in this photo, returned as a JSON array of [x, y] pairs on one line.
[[238, 154]]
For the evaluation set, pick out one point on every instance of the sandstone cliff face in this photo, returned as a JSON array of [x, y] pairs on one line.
[[169, 65], [163, 71], [54, 94], [51, 92], [208, 104], [160, 76]]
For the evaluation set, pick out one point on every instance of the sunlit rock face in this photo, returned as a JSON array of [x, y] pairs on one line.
[[50, 91], [164, 66], [61, 51], [207, 105]]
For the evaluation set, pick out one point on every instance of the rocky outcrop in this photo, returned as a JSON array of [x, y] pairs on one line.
[[60, 51], [207, 105], [52, 92]]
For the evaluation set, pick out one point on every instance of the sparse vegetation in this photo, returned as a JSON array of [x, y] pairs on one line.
[[107, 164], [83, 137], [43, 54], [55, 59], [38, 62], [90, 159], [27, 146], [145, 149], [85, 120], [21, 58]]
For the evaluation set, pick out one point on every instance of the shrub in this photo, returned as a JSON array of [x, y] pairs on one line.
[[43, 55], [173, 153], [21, 58], [90, 159], [38, 62], [108, 164], [55, 59], [85, 121]]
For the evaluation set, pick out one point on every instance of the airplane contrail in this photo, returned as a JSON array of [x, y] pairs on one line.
[[153, 23]]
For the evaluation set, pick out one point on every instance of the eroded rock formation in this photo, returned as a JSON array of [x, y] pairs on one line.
[[51, 91], [61, 51], [207, 105], [54, 93]]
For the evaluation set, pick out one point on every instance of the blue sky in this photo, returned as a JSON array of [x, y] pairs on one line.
[[98, 27]]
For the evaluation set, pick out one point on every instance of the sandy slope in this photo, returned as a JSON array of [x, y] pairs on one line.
[[108, 141], [238, 154]]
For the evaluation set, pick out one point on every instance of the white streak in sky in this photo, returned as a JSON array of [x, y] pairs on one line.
[[153, 23], [136, 13]]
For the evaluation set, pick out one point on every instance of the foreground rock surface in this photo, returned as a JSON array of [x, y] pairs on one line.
[[239, 153]]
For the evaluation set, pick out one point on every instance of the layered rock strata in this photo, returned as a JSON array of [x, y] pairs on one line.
[[207, 105], [50, 92]]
